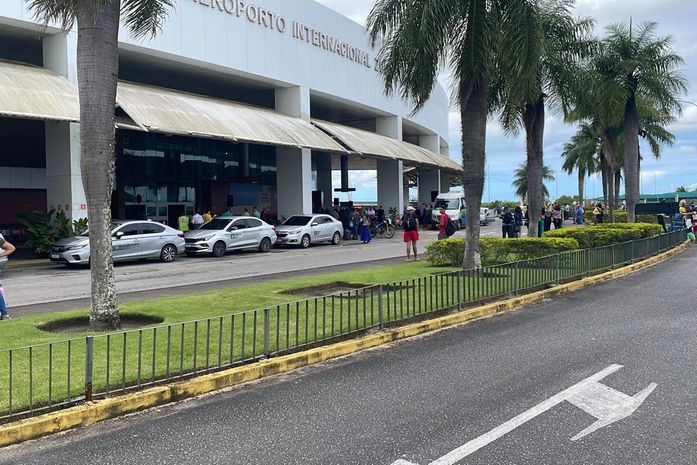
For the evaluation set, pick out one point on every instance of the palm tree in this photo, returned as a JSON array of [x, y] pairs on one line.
[[98, 24], [562, 42], [582, 154], [681, 189], [644, 66], [417, 39], [521, 182]]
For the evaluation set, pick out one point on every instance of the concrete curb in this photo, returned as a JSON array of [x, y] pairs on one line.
[[91, 413]]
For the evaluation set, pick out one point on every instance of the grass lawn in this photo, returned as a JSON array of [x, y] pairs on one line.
[[232, 330], [216, 328]]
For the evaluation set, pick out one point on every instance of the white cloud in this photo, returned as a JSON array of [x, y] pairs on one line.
[[687, 149], [357, 179]]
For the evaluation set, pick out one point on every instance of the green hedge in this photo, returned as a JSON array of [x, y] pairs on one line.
[[620, 217], [494, 251], [607, 234]]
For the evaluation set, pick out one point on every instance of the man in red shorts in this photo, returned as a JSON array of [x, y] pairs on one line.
[[411, 231]]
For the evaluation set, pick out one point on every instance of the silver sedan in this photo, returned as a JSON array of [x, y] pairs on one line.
[[303, 230], [130, 240]]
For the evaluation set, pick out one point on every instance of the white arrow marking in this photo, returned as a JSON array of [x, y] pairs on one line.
[[594, 398]]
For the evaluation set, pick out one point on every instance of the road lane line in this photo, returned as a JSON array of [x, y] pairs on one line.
[[607, 405]]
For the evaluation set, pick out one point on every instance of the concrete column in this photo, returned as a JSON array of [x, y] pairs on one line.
[[294, 166], [444, 182], [429, 181], [324, 177], [405, 196], [390, 172], [294, 178], [64, 190], [390, 184]]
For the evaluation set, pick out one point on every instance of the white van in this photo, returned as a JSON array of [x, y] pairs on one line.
[[452, 203]]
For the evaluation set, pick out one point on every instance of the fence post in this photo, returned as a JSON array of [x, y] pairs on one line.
[[89, 365], [267, 333], [632, 260], [588, 261], [459, 289], [516, 278], [381, 315], [557, 272]]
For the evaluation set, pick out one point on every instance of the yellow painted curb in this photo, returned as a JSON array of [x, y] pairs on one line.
[[88, 414]]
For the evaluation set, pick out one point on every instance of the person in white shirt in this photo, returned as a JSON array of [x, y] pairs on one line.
[[197, 220]]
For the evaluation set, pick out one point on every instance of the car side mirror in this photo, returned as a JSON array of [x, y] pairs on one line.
[[119, 235], [234, 228], [314, 225]]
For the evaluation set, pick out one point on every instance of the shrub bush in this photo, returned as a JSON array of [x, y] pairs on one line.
[[620, 217], [607, 233], [494, 251]]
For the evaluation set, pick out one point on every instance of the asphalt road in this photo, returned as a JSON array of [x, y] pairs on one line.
[[56, 287], [417, 400]]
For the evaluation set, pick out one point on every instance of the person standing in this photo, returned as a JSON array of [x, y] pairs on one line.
[[6, 249], [197, 220], [207, 216], [183, 222], [410, 222], [517, 221], [256, 213], [507, 223], [365, 229], [557, 215], [442, 225]]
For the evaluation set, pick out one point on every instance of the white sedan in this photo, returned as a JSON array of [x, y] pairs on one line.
[[303, 230], [223, 234]]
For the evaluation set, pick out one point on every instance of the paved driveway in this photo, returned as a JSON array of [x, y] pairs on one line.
[[56, 283]]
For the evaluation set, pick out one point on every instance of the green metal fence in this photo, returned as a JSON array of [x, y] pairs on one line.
[[42, 377]]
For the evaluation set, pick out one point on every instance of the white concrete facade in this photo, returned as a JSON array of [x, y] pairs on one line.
[[300, 48]]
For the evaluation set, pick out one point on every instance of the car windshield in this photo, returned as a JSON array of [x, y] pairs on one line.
[[451, 204], [297, 221], [111, 228], [216, 224]]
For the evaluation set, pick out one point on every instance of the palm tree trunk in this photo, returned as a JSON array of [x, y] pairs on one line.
[[534, 121], [473, 95], [603, 177], [618, 185], [610, 153], [631, 157], [97, 68], [581, 185]]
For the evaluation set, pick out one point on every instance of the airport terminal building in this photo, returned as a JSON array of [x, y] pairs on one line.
[[234, 104]]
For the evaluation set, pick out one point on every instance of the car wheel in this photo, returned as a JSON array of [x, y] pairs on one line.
[[219, 249], [265, 245], [305, 242], [168, 253], [336, 238]]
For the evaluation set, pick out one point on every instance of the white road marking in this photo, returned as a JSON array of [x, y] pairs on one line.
[[604, 403]]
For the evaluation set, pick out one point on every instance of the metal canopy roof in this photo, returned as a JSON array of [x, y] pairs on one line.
[[171, 112], [32, 92], [370, 143]]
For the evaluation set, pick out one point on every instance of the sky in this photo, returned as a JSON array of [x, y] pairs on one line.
[[678, 164]]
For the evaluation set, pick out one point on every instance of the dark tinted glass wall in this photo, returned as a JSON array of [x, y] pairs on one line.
[[173, 169]]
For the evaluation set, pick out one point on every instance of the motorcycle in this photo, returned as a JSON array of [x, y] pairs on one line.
[[383, 228]]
